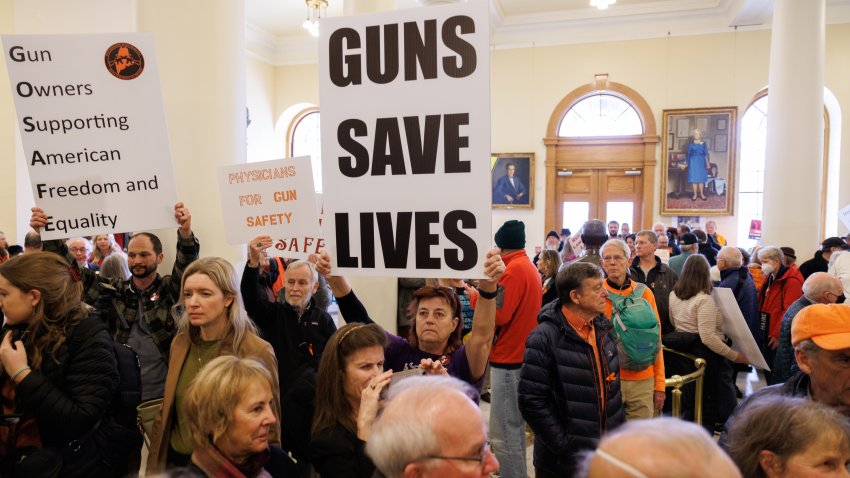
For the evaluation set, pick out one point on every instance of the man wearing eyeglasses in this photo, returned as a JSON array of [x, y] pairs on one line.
[[642, 386], [431, 428], [569, 389]]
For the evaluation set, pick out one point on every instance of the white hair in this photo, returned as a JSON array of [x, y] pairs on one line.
[[86, 242], [819, 283], [732, 256], [404, 433], [676, 441], [302, 263], [771, 253], [617, 243]]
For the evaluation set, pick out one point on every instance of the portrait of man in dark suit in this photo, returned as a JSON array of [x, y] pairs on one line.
[[511, 181]]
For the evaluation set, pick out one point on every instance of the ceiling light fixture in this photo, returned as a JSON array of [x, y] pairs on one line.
[[315, 12], [602, 4]]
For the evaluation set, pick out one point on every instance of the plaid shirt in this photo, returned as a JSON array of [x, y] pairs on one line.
[[118, 301]]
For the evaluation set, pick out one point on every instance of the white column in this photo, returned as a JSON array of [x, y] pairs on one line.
[[8, 146], [794, 154], [201, 52]]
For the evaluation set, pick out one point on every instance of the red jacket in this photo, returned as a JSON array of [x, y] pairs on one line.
[[776, 298], [518, 315]]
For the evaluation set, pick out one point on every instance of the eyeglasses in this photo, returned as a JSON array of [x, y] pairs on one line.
[[481, 458]]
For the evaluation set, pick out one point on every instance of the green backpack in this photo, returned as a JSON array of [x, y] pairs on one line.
[[636, 329]]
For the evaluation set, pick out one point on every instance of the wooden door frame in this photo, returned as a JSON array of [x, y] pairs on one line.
[[630, 152], [597, 194]]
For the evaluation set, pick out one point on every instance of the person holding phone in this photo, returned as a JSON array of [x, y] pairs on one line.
[[348, 388], [435, 338]]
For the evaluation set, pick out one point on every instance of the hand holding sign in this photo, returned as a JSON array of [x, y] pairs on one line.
[[494, 267], [184, 219], [322, 261], [38, 219], [256, 247]]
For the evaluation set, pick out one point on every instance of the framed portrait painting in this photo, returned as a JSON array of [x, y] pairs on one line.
[[512, 180], [698, 170]]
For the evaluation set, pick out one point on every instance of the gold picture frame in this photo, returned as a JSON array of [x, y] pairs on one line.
[[516, 193], [703, 170]]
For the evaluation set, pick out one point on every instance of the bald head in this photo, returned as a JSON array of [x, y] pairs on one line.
[[729, 258], [659, 448], [822, 288], [428, 417]]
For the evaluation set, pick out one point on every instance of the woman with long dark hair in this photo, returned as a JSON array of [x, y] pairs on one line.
[[59, 375], [548, 265], [350, 381], [693, 311]]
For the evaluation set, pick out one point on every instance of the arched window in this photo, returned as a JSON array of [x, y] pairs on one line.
[[751, 184], [601, 114], [600, 157], [753, 148], [303, 138]]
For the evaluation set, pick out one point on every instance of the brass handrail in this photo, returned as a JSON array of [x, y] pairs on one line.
[[676, 382]]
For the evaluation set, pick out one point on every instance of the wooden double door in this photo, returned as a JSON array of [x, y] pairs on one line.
[[605, 194]]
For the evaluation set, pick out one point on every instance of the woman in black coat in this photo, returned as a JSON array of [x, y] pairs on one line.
[[351, 378], [59, 373], [548, 266]]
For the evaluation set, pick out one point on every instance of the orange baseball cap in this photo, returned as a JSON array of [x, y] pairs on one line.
[[828, 325]]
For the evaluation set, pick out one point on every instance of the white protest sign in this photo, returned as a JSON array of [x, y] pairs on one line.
[[576, 244], [274, 198], [406, 141], [844, 215], [664, 255], [90, 113], [735, 327]]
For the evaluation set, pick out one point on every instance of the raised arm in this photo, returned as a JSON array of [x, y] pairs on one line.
[[90, 280], [188, 248], [261, 310], [484, 321], [350, 307]]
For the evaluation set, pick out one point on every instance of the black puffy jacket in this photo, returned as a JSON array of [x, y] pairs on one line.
[[70, 398], [559, 389]]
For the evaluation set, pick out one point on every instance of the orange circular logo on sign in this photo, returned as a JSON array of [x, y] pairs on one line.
[[124, 61]]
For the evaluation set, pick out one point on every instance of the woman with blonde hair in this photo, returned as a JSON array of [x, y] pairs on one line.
[[59, 375], [230, 417], [104, 245], [210, 325]]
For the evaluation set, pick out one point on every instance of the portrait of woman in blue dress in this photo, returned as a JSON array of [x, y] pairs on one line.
[[696, 161]]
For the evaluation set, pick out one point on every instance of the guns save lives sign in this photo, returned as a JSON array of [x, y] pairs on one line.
[[405, 101], [90, 114]]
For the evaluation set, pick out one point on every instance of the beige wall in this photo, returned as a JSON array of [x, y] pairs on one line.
[[677, 72], [260, 99], [8, 216]]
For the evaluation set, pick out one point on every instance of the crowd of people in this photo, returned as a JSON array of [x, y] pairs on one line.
[[252, 377]]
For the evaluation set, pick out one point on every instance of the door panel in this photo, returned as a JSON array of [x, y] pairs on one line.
[[606, 194]]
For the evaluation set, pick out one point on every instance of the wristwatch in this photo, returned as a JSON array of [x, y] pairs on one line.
[[489, 295]]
